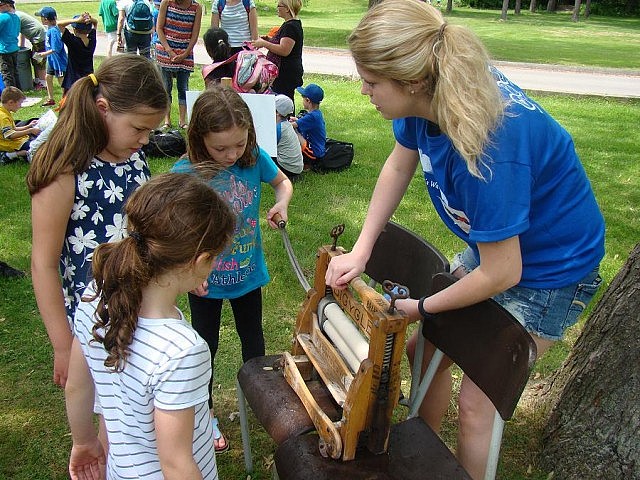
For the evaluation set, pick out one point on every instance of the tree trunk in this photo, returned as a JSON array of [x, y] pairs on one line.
[[505, 8], [518, 7], [449, 7], [551, 6], [576, 10], [532, 6], [587, 9], [592, 429]]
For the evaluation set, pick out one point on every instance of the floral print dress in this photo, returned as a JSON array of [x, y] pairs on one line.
[[96, 217]]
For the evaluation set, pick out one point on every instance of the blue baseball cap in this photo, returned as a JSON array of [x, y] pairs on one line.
[[47, 12], [313, 92]]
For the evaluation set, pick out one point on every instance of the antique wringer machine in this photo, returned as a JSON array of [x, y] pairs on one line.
[[353, 339]]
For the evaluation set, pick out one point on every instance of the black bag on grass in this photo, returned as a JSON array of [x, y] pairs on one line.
[[338, 156], [165, 144]]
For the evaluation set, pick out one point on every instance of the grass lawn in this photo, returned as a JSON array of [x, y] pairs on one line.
[[34, 438], [529, 37]]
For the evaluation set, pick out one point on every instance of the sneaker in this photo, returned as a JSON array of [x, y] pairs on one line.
[[49, 103], [39, 87], [9, 272]]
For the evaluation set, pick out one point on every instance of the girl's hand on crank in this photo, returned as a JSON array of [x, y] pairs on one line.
[[277, 214], [202, 290], [342, 269]]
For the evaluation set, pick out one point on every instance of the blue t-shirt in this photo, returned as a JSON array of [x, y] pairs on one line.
[[241, 268], [9, 31], [312, 128], [534, 187], [58, 59]]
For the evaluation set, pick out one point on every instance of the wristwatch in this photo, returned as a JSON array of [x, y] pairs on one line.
[[425, 315]]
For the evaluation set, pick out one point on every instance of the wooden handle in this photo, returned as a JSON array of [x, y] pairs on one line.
[[277, 219]]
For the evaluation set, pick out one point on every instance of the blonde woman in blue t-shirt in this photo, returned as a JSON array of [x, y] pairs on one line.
[[502, 175]]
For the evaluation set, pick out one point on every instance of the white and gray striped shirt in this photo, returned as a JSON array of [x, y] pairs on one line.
[[235, 21], [169, 368]]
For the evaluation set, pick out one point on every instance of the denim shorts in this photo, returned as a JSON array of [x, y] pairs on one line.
[[546, 313]]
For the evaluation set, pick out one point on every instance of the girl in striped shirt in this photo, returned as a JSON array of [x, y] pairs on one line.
[[135, 359]]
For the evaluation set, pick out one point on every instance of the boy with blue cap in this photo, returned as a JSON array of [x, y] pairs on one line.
[[55, 52], [311, 127]]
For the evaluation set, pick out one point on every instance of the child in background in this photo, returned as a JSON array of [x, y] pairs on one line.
[[79, 180], [132, 345], [311, 128], [289, 151], [109, 13], [14, 141], [81, 45], [221, 135], [155, 11], [216, 42], [55, 54], [178, 29]]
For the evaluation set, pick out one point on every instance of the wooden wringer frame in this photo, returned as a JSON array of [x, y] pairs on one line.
[[354, 339]]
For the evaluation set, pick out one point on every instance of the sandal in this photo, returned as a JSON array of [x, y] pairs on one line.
[[184, 126], [218, 438], [166, 126]]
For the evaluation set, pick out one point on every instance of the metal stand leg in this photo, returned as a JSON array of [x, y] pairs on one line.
[[244, 429]]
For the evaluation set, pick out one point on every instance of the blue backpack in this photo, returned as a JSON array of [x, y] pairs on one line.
[[222, 3], [139, 19]]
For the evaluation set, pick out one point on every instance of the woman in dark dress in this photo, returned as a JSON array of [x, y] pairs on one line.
[[285, 48]]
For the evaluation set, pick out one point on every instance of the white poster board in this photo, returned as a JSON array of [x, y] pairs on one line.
[[263, 111]]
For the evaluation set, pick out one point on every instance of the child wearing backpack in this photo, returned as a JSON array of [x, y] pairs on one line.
[[311, 128], [216, 42], [222, 137], [135, 19], [238, 18]]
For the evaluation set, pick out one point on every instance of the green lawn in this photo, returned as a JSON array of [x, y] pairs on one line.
[[529, 37]]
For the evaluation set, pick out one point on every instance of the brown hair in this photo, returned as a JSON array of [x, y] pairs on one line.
[[409, 41], [128, 83], [12, 93], [218, 109], [172, 219]]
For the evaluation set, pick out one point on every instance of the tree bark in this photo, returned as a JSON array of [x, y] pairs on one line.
[[552, 5], [518, 7], [449, 7], [593, 428], [587, 9], [576, 10], [532, 6], [505, 8]]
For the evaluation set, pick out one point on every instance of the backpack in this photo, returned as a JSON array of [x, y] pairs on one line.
[[254, 73], [165, 144], [207, 69], [140, 18], [338, 156], [222, 3]]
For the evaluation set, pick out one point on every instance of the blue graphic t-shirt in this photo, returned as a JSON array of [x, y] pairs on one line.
[[534, 186], [241, 268]]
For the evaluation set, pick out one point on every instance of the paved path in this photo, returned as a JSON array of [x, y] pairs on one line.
[[547, 78]]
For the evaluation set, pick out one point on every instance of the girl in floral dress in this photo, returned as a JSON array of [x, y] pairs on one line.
[[79, 181]]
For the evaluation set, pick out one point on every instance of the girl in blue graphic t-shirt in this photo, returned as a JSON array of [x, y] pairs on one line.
[[222, 139], [501, 173]]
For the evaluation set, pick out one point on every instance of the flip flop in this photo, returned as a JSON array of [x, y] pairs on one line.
[[217, 436], [184, 126]]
